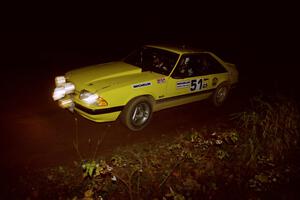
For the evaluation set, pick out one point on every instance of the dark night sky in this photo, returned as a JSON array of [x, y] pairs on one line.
[[256, 37]]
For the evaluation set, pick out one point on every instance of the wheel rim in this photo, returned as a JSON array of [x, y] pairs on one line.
[[140, 114], [221, 95]]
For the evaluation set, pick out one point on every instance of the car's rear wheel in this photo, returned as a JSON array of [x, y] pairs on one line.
[[220, 94], [137, 113]]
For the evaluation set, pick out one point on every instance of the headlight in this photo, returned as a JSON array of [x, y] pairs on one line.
[[88, 97], [91, 98]]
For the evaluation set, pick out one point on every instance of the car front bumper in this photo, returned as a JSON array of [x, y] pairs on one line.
[[107, 117], [96, 115]]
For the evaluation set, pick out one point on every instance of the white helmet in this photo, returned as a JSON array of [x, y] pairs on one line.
[[187, 59]]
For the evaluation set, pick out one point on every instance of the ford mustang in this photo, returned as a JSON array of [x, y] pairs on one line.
[[151, 78]]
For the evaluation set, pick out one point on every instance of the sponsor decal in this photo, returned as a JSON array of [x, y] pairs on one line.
[[139, 85], [161, 80], [182, 84]]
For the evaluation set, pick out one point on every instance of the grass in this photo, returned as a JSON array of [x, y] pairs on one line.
[[249, 161], [271, 124]]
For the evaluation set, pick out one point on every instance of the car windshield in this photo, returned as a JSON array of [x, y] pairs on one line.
[[153, 59]]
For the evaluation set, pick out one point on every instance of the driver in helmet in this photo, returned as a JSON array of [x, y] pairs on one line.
[[158, 63], [185, 68]]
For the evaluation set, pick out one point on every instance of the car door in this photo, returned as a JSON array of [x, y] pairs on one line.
[[195, 74]]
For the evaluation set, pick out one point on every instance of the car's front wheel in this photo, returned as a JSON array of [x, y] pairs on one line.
[[137, 113]]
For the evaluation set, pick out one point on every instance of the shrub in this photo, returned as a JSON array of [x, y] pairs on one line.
[[270, 126]]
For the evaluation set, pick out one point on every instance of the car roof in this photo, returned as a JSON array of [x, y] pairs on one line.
[[179, 49]]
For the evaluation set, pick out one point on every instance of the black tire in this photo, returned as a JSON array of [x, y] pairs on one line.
[[137, 113], [220, 94]]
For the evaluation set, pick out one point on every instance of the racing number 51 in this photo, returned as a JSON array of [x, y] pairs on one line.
[[196, 84]]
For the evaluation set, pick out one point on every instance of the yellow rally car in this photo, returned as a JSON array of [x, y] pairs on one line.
[[152, 78]]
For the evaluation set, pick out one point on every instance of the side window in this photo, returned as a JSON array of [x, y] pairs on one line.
[[197, 65], [212, 65], [187, 67], [200, 65]]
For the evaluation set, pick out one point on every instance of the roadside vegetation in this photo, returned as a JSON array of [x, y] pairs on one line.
[[253, 157]]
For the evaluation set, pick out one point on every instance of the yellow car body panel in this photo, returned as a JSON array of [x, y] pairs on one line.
[[119, 82]]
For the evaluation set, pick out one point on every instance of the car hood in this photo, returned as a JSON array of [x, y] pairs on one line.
[[86, 76]]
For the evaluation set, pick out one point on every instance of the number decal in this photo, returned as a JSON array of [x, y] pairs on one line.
[[193, 85], [198, 84]]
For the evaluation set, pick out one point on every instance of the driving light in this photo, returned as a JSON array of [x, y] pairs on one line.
[[69, 88], [59, 81], [65, 103], [58, 93]]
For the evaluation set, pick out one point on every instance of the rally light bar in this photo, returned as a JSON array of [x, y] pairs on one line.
[[59, 81], [62, 88]]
